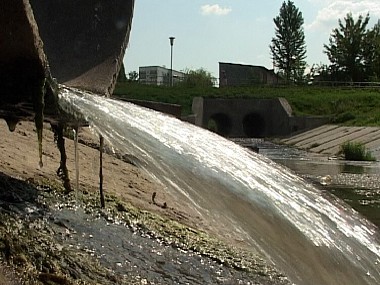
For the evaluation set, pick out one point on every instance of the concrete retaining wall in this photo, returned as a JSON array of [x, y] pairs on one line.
[[250, 117], [327, 139], [169, 109]]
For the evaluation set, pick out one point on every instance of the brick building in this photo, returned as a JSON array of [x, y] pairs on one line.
[[232, 74], [157, 75]]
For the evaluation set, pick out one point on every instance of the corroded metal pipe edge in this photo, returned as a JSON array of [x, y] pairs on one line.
[[25, 56], [23, 63], [85, 40]]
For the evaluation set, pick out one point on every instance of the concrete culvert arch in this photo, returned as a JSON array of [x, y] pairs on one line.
[[220, 123], [254, 125]]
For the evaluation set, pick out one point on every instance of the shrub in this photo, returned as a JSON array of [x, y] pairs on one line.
[[356, 151], [344, 117]]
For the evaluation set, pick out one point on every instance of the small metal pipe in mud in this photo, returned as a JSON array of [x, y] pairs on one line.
[[101, 145], [62, 170]]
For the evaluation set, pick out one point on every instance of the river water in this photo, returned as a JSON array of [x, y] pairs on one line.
[[355, 182], [310, 235]]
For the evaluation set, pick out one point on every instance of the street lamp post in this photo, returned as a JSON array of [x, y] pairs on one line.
[[171, 60]]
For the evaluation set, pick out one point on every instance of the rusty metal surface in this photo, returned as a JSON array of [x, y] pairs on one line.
[[85, 40], [22, 60], [78, 43]]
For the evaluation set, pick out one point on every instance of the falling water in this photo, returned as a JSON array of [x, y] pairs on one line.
[[311, 237]]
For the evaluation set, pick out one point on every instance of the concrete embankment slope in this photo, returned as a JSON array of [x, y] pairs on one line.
[[327, 139]]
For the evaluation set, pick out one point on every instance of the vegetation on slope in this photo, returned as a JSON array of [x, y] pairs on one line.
[[356, 151], [344, 105]]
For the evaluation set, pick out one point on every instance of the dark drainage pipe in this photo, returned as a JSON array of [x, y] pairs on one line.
[[78, 43]]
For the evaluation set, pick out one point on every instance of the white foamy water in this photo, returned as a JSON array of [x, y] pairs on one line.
[[313, 238]]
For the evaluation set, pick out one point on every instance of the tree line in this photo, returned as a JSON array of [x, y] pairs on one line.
[[353, 49], [192, 78]]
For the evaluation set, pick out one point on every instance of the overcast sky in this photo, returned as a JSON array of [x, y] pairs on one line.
[[236, 31]]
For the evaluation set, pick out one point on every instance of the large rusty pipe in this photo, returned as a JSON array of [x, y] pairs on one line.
[[77, 43], [23, 64]]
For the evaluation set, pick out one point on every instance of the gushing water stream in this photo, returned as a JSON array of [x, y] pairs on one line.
[[311, 237]]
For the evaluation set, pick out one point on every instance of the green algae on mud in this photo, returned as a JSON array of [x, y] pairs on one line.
[[30, 238]]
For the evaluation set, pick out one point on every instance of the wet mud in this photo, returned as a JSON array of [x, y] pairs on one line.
[[49, 237]]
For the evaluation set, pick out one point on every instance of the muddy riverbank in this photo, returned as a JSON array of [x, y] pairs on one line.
[[48, 237]]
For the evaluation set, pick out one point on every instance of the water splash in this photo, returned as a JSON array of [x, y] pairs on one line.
[[313, 238]]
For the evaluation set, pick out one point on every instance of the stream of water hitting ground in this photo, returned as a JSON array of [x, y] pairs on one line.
[[312, 237]]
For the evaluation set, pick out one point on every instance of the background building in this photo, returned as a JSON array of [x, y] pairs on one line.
[[157, 75], [232, 74]]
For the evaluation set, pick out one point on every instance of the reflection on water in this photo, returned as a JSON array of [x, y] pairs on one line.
[[318, 167], [303, 162], [362, 177], [365, 201], [312, 238], [358, 169]]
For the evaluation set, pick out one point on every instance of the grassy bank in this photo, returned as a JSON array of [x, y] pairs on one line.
[[344, 105]]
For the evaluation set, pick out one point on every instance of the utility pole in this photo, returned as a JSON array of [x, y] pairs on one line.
[[171, 60]]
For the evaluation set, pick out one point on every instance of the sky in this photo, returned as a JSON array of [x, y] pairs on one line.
[[235, 31]]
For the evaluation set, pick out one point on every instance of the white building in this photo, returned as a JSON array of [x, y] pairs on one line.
[[157, 75]]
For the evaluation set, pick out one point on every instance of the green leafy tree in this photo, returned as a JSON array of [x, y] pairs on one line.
[[121, 76], [288, 47], [319, 72], [347, 47], [372, 53], [198, 78], [133, 76]]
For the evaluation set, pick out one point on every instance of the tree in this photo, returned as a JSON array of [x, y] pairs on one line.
[[347, 47], [318, 72], [121, 76], [198, 78], [133, 76], [288, 47], [372, 53]]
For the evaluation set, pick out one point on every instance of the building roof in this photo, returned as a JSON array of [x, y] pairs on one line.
[[246, 65], [160, 67]]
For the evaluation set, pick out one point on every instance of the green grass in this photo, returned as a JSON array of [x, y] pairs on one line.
[[344, 105], [356, 151]]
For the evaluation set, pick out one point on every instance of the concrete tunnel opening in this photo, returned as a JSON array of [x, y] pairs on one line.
[[254, 125], [220, 123]]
